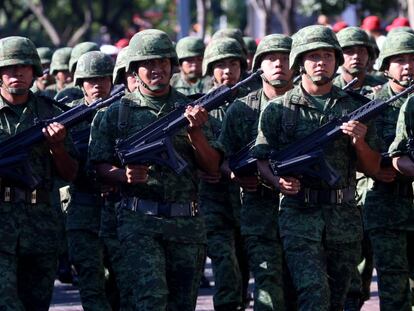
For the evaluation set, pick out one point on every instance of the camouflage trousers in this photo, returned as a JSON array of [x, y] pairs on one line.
[[225, 247], [86, 254], [29, 242], [113, 253], [393, 262], [321, 271], [163, 275], [265, 261]]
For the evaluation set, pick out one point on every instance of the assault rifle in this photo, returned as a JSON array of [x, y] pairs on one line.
[[14, 150], [243, 164], [305, 156], [153, 144]]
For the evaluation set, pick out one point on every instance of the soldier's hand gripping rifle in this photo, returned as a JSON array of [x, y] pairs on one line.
[[153, 144], [243, 164], [14, 150], [305, 156]]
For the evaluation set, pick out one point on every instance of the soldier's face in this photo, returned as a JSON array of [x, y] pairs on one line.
[[132, 83], [64, 77], [356, 59], [320, 64], [227, 71], [17, 79], [275, 66], [155, 73], [192, 67], [401, 67], [95, 88]]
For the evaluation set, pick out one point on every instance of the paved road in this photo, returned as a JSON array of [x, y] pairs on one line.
[[66, 297]]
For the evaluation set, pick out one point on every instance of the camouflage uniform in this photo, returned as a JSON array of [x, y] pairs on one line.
[[30, 232], [321, 237], [388, 211], [84, 209], [188, 47], [359, 290], [164, 254], [221, 204], [259, 209], [45, 55]]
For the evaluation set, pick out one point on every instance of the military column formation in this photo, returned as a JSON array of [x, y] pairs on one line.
[[138, 234]]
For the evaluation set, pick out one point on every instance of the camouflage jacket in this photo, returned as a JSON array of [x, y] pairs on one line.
[[14, 120], [385, 209], [181, 85], [369, 82]]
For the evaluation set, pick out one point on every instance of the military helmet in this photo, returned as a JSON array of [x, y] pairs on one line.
[[312, 38], [189, 47], [395, 44], [150, 44], [45, 55], [271, 43], [60, 60], [120, 65], [251, 44], [78, 50], [20, 51], [93, 64], [221, 49], [355, 36], [231, 33]]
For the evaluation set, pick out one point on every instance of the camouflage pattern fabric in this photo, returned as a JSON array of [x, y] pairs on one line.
[[251, 45], [109, 237], [308, 230], [189, 47], [232, 33], [91, 65], [395, 44], [173, 247], [60, 60], [78, 50], [181, 85], [120, 64], [259, 219], [45, 54], [370, 81], [355, 36], [221, 206], [271, 43], [30, 234]]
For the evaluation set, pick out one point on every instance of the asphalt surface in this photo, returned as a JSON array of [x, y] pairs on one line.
[[66, 297]]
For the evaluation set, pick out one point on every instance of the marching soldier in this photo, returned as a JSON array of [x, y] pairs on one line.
[[30, 226], [320, 225]]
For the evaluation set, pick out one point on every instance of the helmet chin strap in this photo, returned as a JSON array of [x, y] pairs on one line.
[[154, 88], [14, 90], [317, 80], [278, 83], [402, 83]]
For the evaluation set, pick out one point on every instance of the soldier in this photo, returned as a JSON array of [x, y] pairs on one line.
[[29, 224], [164, 251], [388, 210], [358, 54], [71, 90], [59, 67], [259, 203], [320, 225], [251, 50], [94, 75], [122, 76], [219, 197], [46, 79], [190, 51]]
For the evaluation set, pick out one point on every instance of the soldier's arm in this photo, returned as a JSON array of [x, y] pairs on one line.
[[206, 156], [404, 165], [66, 166]]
